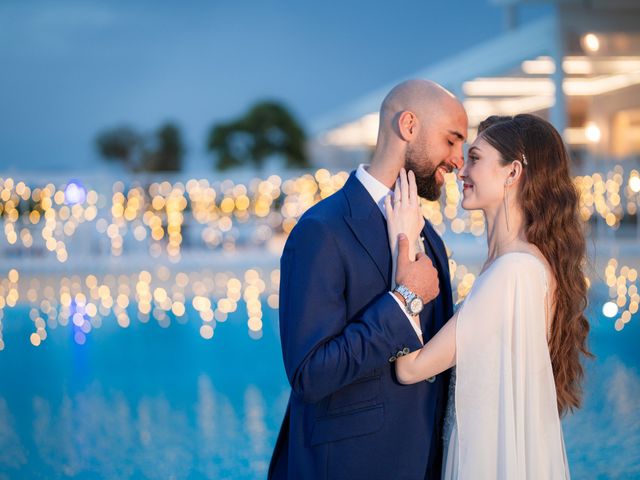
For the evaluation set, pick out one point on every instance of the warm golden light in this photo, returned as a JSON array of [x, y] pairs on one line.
[[361, 132], [592, 132], [591, 42]]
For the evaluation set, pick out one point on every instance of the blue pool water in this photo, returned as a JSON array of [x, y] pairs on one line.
[[152, 402]]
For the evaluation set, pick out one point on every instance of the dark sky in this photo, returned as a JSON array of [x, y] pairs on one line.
[[69, 69]]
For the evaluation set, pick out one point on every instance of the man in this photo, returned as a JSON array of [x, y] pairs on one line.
[[342, 327]]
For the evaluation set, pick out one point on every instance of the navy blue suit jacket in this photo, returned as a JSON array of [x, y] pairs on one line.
[[348, 416]]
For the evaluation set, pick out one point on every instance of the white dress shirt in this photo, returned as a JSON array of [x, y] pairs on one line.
[[378, 192]]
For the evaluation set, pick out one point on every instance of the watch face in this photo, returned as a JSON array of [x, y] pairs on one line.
[[416, 305]]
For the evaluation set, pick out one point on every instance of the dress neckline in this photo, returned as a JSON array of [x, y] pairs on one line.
[[515, 253]]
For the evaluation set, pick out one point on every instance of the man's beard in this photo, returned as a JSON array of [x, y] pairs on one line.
[[426, 182]]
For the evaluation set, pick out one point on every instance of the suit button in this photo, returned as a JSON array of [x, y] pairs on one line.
[[431, 379], [400, 353], [392, 358], [406, 350]]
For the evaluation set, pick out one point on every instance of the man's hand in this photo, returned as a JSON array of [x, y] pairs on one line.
[[419, 275]]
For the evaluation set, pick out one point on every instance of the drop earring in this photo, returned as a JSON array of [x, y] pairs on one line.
[[506, 205]]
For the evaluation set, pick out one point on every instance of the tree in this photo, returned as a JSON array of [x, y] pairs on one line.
[[167, 156], [163, 151], [121, 144], [267, 129]]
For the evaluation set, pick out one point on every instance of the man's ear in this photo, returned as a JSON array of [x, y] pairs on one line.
[[407, 125]]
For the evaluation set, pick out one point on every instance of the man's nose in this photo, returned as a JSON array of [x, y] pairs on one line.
[[462, 168], [458, 160]]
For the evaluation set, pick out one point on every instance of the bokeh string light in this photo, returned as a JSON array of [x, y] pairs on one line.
[[86, 303], [623, 292], [44, 222], [226, 215]]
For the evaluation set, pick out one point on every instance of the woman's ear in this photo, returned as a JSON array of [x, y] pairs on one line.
[[515, 172]]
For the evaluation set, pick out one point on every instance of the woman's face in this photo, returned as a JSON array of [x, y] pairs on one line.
[[483, 177]]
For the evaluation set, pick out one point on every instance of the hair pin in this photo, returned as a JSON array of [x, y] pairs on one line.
[[524, 159]]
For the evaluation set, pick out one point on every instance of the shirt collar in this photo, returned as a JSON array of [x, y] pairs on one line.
[[376, 189]]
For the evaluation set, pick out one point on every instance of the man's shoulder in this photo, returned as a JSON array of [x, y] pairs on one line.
[[330, 210], [321, 222]]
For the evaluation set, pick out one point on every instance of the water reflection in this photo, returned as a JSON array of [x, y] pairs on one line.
[[12, 452], [165, 403], [603, 438], [256, 430], [97, 433]]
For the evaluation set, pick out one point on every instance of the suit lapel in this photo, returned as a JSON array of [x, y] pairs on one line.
[[441, 262], [437, 247], [370, 229], [368, 226]]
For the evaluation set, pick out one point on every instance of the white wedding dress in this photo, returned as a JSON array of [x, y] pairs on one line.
[[502, 421]]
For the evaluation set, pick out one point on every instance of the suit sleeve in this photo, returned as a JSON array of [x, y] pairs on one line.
[[323, 350]]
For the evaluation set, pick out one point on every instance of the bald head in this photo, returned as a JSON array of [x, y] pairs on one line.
[[422, 97], [423, 127]]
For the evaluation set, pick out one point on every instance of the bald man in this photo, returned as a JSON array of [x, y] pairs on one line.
[[342, 327]]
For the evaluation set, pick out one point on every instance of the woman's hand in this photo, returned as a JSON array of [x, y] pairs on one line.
[[404, 215]]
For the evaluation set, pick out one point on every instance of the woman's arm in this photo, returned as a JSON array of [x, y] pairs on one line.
[[438, 355], [403, 216]]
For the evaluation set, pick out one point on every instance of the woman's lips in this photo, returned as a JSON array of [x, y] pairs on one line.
[[466, 186]]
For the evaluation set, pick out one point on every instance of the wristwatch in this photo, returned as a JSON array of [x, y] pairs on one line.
[[413, 303]]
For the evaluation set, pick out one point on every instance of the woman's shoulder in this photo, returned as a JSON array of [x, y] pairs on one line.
[[511, 274], [519, 260], [515, 265]]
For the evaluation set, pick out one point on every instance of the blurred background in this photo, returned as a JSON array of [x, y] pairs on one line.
[[154, 157]]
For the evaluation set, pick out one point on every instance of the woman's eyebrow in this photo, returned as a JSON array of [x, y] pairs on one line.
[[474, 148]]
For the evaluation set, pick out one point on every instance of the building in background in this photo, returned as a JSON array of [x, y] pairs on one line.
[[579, 68]]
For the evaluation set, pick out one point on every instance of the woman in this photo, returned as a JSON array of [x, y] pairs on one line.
[[518, 338]]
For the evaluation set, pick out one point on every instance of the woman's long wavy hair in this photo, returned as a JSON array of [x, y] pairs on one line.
[[549, 202]]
